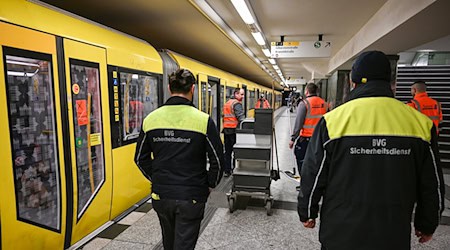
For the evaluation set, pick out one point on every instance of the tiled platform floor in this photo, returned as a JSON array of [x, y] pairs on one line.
[[250, 228]]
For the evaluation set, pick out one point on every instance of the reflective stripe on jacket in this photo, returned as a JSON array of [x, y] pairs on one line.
[[371, 161], [427, 106], [229, 118], [315, 109]]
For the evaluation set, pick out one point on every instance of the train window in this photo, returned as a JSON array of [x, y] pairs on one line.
[[86, 101], [139, 95], [206, 89], [230, 91], [195, 97], [251, 100], [34, 144], [222, 89]]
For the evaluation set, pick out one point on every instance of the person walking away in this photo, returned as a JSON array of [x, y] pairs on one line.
[[172, 150], [372, 160], [262, 103], [233, 115], [424, 104], [309, 112]]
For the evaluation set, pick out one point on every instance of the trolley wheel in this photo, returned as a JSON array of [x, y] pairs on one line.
[[231, 204], [269, 207]]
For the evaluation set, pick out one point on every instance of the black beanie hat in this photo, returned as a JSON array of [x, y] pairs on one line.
[[371, 65]]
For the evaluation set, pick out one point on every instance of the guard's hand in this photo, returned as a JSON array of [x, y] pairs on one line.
[[423, 237], [291, 144], [311, 223]]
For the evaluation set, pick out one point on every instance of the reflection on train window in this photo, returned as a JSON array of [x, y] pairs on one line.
[[34, 142], [139, 98], [86, 101]]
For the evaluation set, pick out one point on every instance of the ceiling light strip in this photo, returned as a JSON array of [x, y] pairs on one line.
[[243, 10]]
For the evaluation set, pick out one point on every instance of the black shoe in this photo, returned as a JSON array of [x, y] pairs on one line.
[[297, 188], [227, 174]]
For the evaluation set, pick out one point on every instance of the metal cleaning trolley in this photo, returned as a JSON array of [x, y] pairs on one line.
[[253, 171]]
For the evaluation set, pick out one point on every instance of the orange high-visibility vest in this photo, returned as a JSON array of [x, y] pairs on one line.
[[315, 109], [229, 118], [265, 105], [428, 106]]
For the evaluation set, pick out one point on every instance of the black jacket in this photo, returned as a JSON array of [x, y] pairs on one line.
[[172, 151], [371, 159]]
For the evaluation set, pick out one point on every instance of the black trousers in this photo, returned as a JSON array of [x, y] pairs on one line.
[[300, 151], [180, 222], [230, 140]]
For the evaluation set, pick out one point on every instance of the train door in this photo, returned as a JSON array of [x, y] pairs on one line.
[[86, 81], [214, 99], [32, 186]]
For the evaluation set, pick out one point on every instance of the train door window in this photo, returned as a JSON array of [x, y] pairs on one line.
[[205, 96], [251, 99], [230, 91], [222, 90], [244, 100], [195, 97], [34, 145], [89, 150], [214, 86], [139, 95]]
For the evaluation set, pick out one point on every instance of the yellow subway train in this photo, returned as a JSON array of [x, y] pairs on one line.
[[73, 94]]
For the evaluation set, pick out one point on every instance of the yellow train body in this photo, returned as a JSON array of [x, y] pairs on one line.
[[92, 124]]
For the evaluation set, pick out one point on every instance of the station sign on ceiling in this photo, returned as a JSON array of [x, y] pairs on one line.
[[298, 81], [306, 49]]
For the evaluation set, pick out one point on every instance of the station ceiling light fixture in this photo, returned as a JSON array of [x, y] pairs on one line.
[[259, 38], [243, 11], [266, 52]]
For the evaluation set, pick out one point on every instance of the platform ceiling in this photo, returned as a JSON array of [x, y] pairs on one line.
[[352, 26]]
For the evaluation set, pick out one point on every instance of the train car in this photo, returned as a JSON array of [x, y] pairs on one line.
[[73, 95], [68, 168], [214, 86]]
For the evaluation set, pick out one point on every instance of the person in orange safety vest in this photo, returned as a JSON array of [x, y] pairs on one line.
[[424, 104], [262, 103], [233, 114], [309, 112]]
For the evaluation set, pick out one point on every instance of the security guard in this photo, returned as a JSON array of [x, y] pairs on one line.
[[424, 104], [372, 160], [262, 103], [171, 152], [309, 112], [233, 115]]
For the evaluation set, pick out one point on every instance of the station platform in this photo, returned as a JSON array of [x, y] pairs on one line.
[[248, 227]]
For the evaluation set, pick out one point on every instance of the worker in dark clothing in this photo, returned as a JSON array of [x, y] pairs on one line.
[[233, 115], [309, 112], [371, 160], [424, 104], [172, 150]]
